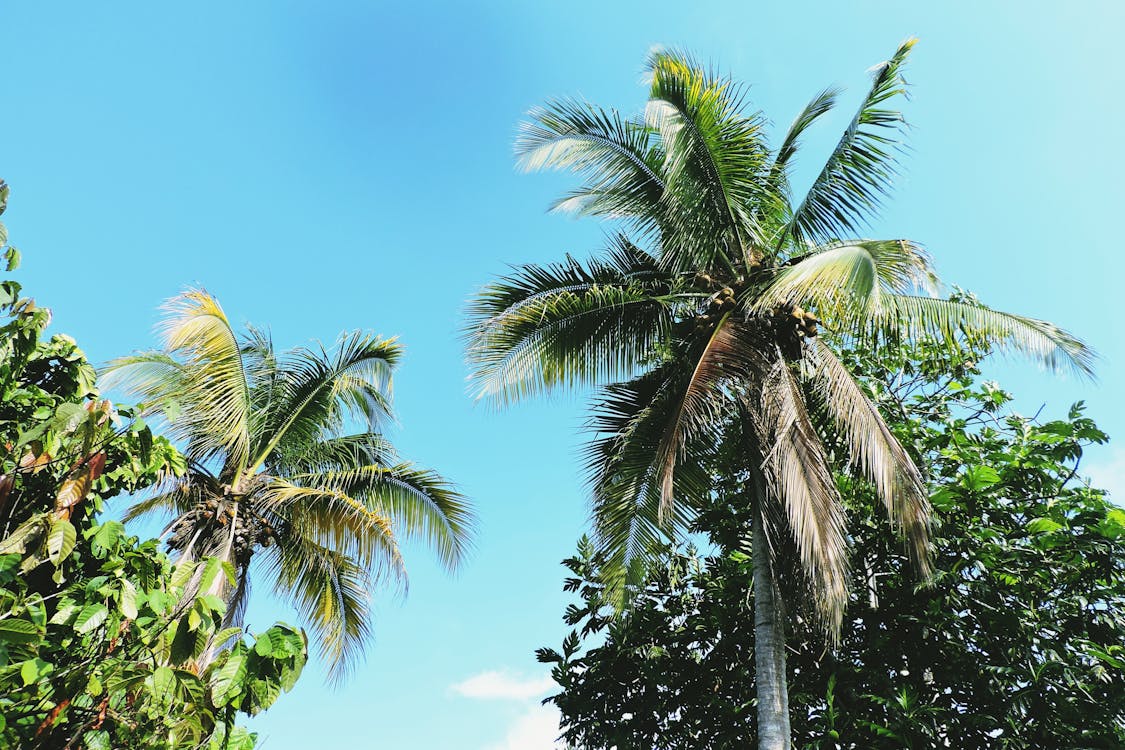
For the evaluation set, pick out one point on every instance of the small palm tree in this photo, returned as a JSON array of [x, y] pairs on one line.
[[704, 330], [275, 480]]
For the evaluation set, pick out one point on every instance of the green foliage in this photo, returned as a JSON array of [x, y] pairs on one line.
[[99, 637], [1016, 644]]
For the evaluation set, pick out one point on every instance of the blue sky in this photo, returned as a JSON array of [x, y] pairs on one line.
[[336, 165]]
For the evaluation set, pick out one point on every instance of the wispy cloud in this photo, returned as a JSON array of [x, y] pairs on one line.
[[503, 685], [535, 729]]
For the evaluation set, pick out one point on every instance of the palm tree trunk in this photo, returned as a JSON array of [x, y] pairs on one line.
[[769, 639]]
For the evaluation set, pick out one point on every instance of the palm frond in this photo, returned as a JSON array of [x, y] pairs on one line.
[[333, 518], [199, 375], [799, 480], [168, 500], [630, 421], [616, 154], [621, 263], [335, 454], [860, 169], [820, 105], [715, 159], [330, 591], [730, 356], [155, 378], [238, 601], [902, 316], [264, 373], [848, 278], [418, 502], [320, 388], [567, 324], [876, 452]]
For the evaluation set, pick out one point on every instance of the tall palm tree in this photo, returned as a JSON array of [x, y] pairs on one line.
[[703, 330], [276, 485]]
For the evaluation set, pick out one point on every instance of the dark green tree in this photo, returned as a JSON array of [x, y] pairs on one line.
[[1019, 643]]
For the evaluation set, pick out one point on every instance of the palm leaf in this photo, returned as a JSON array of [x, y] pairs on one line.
[[155, 378], [730, 357], [199, 376], [820, 105], [562, 333], [899, 316], [715, 159], [859, 172], [418, 502], [630, 422], [876, 452], [847, 279], [333, 518], [319, 389], [799, 480], [617, 154], [330, 591], [335, 454]]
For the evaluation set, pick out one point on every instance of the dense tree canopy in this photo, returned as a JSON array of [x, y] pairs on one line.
[[1018, 643]]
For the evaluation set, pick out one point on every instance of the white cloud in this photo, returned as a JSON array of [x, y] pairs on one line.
[[535, 729], [503, 685], [1107, 472]]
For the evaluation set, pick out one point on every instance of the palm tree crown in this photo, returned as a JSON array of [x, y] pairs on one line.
[[705, 313], [275, 477]]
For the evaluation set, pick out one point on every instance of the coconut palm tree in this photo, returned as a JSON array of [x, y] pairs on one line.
[[703, 330], [276, 486]]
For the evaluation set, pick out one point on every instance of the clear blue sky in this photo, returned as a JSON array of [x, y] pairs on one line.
[[333, 165]]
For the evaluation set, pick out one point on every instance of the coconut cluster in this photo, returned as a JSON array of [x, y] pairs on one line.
[[720, 303], [791, 326], [212, 517]]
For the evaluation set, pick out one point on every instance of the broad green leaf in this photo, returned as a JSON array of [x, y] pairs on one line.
[[106, 536], [98, 740], [1043, 526], [26, 536], [128, 599], [90, 618], [181, 574], [69, 416], [227, 682], [65, 613], [34, 669], [264, 693], [60, 541], [977, 478], [13, 630], [212, 567]]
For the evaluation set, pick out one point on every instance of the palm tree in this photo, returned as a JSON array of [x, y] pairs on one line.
[[703, 330], [275, 479]]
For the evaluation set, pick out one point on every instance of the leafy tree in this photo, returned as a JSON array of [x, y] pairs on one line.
[[274, 478], [1017, 644], [97, 637], [705, 328]]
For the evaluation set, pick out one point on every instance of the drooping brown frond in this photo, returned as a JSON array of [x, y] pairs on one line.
[[876, 452], [799, 479]]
